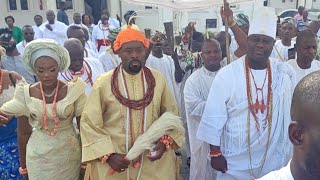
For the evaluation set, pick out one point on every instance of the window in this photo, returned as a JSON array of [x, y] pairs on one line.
[[68, 3], [13, 6], [24, 4]]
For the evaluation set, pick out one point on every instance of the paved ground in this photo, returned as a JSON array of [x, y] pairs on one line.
[[184, 168]]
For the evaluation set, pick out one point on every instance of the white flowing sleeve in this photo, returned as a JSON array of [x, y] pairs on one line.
[[215, 114], [194, 103], [62, 31], [94, 34]]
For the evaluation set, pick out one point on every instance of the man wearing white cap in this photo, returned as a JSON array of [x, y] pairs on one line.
[[248, 108]]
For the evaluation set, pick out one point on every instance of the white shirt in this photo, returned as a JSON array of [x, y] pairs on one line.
[[282, 174], [90, 45], [21, 47], [88, 53], [96, 68], [109, 60], [37, 32], [99, 32], [16, 63], [280, 51], [224, 121], [166, 66], [301, 73], [59, 32], [196, 92]]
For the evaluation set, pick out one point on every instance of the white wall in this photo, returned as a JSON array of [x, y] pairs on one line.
[[26, 17], [281, 6]]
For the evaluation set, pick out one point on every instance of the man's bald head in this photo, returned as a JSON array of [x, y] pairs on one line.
[[307, 95], [210, 41], [75, 49], [50, 16], [304, 130], [73, 43]]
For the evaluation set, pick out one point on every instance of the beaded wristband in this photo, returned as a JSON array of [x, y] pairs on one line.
[[23, 171], [215, 153], [232, 24], [104, 158], [166, 140]]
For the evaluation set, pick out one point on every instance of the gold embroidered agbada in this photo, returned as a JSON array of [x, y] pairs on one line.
[[104, 123]]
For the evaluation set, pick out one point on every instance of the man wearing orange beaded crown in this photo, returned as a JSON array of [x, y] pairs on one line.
[[122, 105], [247, 114]]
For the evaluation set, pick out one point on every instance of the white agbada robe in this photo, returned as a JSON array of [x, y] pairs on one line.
[[88, 53], [109, 60], [37, 32], [196, 92], [100, 33], [96, 68], [282, 174], [21, 46], [59, 32], [280, 51], [90, 45], [224, 121], [301, 73], [166, 66]]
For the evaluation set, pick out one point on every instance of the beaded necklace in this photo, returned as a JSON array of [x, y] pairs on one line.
[[252, 109], [129, 118], [69, 75], [54, 111]]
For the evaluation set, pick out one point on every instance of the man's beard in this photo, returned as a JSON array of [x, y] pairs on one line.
[[135, 69]]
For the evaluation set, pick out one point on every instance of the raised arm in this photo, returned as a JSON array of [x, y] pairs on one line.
[[239, 35]]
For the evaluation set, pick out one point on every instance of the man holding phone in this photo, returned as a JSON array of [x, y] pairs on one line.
[[284, 48]]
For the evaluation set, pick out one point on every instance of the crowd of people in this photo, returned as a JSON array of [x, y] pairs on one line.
[[77, 100]]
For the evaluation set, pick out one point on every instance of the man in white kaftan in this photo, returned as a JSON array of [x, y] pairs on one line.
[[100, 34], [52, 29], [306, 48], [282, 47], [109, 59], [196, 91], [88, 71], [166, 66], [238, 134], [28, 35], [38, 21]]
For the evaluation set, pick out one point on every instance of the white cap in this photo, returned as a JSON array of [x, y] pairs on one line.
[[264, 22]]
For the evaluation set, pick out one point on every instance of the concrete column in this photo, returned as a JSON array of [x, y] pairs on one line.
[[114, 8]]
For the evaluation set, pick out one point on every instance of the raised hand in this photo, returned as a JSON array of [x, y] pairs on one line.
[[226, 12]]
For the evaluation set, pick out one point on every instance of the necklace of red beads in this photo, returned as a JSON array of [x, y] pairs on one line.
[[54, 111], [134, 104], [257, 106], [69, 75]]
